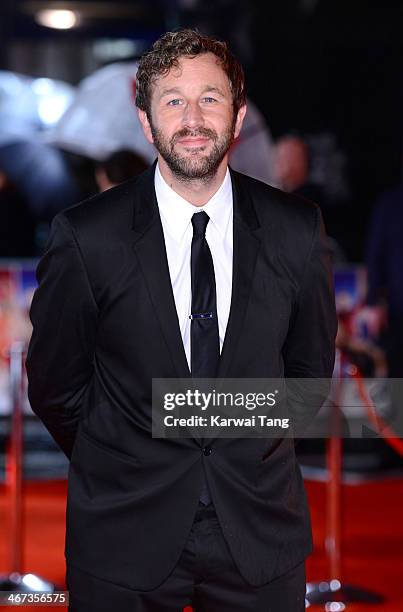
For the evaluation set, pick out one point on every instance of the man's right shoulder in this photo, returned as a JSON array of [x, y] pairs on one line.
[[113, 206], [111, 210]]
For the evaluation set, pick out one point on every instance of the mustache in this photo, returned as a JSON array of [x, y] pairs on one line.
[[186, 132]]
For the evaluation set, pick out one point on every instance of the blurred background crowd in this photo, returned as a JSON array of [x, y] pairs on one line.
[[324, 86]]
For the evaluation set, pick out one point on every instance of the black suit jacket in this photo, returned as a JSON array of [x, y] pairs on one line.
[[105, 323]]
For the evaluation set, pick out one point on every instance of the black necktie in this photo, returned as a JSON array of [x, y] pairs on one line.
[[204, 338]]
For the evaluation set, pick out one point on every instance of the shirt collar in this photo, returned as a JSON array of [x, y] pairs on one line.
[[177, 212]]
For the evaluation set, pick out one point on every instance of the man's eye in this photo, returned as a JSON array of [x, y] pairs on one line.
[[175, 102], [209, 99]]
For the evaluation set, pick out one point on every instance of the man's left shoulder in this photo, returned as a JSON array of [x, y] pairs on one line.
[[274, 206]]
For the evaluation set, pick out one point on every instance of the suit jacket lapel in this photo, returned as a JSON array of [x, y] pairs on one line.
[[149, 246], [246, 246]]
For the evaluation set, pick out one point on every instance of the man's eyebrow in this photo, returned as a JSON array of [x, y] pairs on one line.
[[213, 88], [170, 90], [176, 90]]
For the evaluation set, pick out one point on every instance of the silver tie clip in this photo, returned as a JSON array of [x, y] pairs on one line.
[[201, 315]]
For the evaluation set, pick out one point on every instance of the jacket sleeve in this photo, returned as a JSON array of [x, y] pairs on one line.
[[309, 350], [61, 351]]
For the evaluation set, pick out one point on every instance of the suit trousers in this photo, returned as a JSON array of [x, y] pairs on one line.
[[205, 578]]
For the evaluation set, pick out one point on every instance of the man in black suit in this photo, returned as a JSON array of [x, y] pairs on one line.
[[188, 270]]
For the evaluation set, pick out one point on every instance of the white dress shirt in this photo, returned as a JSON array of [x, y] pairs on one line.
[[176, 214]]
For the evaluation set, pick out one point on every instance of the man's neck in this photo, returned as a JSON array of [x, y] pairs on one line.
[[196, 191]]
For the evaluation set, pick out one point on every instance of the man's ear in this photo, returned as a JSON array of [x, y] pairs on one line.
[[239, 120], [145, 124]]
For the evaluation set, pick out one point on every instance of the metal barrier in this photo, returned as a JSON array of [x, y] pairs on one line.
[[333, 593], [15, 580]]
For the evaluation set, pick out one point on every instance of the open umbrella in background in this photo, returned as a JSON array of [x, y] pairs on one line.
[[103, 119], [42, 175], [29, 105], [38, 171]]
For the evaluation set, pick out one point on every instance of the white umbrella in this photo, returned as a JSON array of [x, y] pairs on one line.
[[103, 117], [29, 105]]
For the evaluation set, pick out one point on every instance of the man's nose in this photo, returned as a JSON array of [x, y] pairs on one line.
[[193, 116]]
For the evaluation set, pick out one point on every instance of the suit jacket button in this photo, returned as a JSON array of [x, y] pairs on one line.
[[207, 450]]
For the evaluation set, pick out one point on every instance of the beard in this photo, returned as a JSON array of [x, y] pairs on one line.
[[194, 165]]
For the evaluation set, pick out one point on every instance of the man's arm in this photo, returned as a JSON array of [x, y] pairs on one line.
[[309, 350], [64, 317]]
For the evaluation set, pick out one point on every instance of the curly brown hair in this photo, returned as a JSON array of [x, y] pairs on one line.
[[166, 52]]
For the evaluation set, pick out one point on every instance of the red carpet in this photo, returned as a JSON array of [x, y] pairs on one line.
[[373, 538]]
